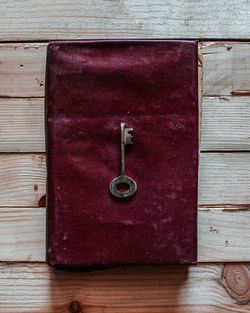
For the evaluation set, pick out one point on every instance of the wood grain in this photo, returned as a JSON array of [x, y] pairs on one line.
[[223, 234], [189, 289], [22, 234], [23, 179], [22, 69], [225, 124], [22, 125], [226, 68], [47, 20], [224, 179], [225, 119]]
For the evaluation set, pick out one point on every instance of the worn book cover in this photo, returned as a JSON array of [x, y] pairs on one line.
[[91, 88]]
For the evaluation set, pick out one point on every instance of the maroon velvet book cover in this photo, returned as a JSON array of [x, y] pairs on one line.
[[91, 88]]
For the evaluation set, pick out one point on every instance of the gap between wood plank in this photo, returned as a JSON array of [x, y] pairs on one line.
[[200, 40]]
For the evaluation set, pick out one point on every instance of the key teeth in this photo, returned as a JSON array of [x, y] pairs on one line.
[[129, 136]]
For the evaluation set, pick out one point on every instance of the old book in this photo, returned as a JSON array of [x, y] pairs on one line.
[[91, 88]]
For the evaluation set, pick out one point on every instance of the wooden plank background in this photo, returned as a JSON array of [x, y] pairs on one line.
[[27, 284], [61, 19]]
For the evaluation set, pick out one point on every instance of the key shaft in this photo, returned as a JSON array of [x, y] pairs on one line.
[[126, 139], [122, 149]]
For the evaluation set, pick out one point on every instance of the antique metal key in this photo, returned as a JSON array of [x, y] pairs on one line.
[[126, 139]]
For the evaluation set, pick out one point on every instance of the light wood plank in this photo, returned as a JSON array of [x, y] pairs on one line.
[[225, 124], [224, 179], [22, 125], [22, 69], [32, 20], [22, 234], [223, 235], [226, 68], [23, 179], [220, 238], [190, 289]]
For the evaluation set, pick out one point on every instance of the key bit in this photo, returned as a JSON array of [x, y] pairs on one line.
[[128, 136]]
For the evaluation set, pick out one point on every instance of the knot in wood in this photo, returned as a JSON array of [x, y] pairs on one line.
[[236, 277], [75, 307]]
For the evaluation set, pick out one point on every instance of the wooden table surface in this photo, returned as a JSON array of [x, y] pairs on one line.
[[221, 281]]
